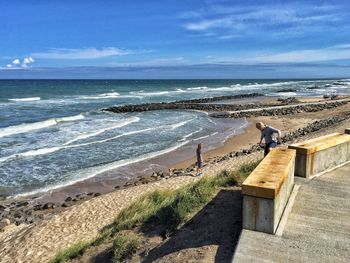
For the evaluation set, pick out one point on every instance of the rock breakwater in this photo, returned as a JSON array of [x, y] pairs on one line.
[[197, 104], [282, 110]]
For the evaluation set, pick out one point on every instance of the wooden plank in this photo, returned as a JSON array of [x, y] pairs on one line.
[[267, 178], [320, 143]]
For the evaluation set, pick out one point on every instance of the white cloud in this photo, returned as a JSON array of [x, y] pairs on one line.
[[157, 62], [16, 62], [250, 19], [84, 53], [210, 23], [28, 60], [302, 56], [332, 53]]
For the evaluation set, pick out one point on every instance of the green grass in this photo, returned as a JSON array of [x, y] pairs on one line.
[[169, 209], [72, 252], [123, 247]]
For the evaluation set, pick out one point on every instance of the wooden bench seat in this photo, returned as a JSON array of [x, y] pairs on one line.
[[267, 189], [322, 153]]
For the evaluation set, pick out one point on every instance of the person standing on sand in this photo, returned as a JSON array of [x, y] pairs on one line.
[[199, 160], [268, 133]]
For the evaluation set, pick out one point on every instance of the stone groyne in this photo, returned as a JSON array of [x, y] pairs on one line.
[[282, 110], [195, 104]]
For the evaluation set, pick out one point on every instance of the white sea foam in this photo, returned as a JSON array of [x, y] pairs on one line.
[[180, 90], [39, 151], [179, 124], [87, 173], [25, 99], [285, 94], [206, 136], [30, 153], [26, 127], [119, 125], [201, 111], [222, 89], [198, 88], [158, 93], [102, 96], [47, 150], [239, 128], [70, 118], [112, 138], [190, 134]]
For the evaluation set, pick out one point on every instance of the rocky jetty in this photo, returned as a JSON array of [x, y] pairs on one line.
[[339, 83], [286, 90], [282, 111], [313, 87], [197, 104], [219, 98]]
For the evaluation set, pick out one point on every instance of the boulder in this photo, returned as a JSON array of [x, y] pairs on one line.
[[48, 206], [4, 223]]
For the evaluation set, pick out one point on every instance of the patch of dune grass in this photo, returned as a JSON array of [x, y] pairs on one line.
[[173, 208], [123, 247], [72, 252], [170, 209]]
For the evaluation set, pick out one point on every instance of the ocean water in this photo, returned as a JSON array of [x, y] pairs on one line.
[[53, 133]]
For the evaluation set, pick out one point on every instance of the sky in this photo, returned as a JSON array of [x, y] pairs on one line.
[[174, 39]]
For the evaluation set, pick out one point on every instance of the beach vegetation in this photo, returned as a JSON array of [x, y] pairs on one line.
[[123, 247], [168, 209], [72, 252]]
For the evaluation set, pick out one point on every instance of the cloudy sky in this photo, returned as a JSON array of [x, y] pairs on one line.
[[174, 39]]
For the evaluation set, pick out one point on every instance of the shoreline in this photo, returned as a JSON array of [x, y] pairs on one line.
[[82, 191], [82, 222]]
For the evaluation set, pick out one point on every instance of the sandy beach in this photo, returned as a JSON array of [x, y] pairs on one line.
[[82, 221]]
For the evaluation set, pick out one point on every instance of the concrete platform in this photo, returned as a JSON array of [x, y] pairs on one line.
[[317, 228], [320, 154]]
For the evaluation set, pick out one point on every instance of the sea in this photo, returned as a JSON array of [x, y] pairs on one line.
[[53, 132]]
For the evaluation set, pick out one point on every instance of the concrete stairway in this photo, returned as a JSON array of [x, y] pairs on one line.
[[317, 229]]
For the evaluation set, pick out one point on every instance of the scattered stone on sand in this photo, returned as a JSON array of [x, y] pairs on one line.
[[48, 206], [4, 222]]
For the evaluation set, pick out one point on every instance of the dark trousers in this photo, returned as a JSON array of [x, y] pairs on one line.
[[269, 145]]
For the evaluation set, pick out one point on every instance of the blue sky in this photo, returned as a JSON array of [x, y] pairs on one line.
[[174, 39]]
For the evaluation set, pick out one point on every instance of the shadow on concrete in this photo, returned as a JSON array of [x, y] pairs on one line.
[[219, 223]]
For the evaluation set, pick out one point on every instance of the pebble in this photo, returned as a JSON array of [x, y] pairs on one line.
[[4, 222]]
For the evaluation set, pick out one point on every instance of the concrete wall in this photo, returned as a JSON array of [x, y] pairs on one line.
[[314, 163], [264, 215]]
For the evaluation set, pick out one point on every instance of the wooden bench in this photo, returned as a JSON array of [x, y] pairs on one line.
[[320, 154], [267, 189]]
